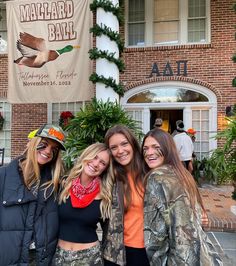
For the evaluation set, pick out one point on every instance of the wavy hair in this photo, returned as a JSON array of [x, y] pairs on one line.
[[106, 178], [171, 157], [137, 170], [31, 168]]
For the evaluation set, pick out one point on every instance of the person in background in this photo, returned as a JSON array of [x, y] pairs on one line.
[[124, 238], [85, 200], [184, 144], [191, 132], [172, 208], [28, 210], [158, 123]]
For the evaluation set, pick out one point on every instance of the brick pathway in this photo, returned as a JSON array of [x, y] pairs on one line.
[[217, 201]]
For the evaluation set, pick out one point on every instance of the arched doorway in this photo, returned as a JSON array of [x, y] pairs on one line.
[[170, 100]]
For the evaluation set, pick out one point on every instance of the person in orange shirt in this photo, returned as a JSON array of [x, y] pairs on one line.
[[124, 240]]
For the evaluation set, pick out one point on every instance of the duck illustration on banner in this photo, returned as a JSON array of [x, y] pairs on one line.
[[35, 53]]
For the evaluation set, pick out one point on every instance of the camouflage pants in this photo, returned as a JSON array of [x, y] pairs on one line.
[[86, 257]]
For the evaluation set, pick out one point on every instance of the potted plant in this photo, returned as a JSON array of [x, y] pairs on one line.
[[65, 118], [225, 157]]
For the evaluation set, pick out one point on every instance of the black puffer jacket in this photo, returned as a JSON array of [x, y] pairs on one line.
[[24, 217]]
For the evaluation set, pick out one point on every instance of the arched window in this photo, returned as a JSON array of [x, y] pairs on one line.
[[167, 95]]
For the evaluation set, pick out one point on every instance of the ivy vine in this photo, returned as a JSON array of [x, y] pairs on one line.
[[95, 53]]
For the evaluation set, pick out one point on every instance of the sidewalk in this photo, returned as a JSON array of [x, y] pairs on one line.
[[219, 207], [221, 227]]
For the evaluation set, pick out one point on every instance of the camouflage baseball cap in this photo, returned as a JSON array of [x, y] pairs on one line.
[[52, 132]]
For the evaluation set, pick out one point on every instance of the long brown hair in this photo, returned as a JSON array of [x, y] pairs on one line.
[[136, 168], [31, 168], [171, 157]]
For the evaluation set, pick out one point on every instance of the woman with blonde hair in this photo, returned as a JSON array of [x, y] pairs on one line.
[[84, 201], [173, 207], [28, 191]]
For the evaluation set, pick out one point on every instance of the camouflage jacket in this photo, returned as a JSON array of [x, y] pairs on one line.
[[173, 235], [113, 233]]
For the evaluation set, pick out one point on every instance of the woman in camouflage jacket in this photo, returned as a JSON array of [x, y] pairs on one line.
[[172, 208]]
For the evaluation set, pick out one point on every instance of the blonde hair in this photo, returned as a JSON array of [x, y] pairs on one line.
[[31, 169], [106, 178]]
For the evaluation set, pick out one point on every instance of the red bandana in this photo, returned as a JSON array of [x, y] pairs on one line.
[[82, 196]]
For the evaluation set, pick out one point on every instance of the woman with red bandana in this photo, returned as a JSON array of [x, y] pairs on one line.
[[84, 201]]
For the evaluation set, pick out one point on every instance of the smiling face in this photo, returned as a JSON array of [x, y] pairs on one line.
[[47, 150], [96, 166], [121, 149], [152, 153]]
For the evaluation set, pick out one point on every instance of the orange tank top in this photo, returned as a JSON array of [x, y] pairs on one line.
[[133, 219]]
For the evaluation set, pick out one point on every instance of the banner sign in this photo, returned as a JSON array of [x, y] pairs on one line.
[[48, 58]]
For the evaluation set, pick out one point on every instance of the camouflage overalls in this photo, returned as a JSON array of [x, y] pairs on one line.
[[86, 257]]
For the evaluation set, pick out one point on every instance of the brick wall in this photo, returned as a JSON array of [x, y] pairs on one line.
[[25, 118]]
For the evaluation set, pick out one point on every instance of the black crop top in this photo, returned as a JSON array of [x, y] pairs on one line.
[[79, 224]]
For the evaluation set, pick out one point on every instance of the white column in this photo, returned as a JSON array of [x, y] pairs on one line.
[[103, 67]]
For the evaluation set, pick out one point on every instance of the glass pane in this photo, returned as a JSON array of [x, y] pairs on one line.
[[166, 10], [195, 115], [166, 32], [196, 8], [205, 114], [63, 107], [136, 34], [205, 136], [157, 95], [196, 126], [196, 30], [205, 125], [55, 107], [136, 10], [78, 106], [205, 146]]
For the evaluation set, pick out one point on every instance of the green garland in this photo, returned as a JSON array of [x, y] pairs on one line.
[[95, 54], [99, 30], [109, 82], [108, 7], [112, 35]]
